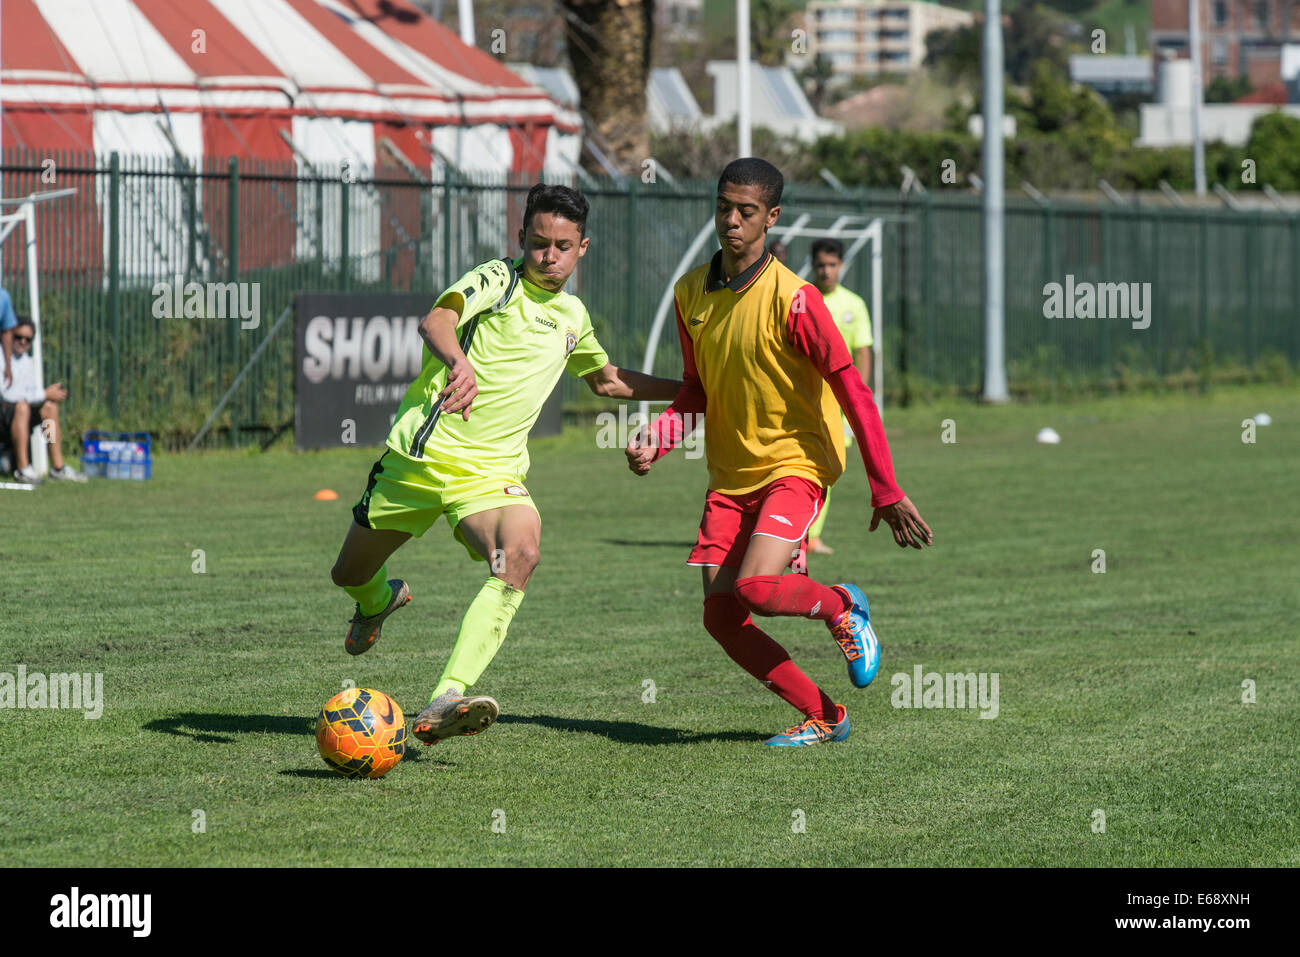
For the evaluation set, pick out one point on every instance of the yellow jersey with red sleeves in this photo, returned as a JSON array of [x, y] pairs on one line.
[[770, 412]]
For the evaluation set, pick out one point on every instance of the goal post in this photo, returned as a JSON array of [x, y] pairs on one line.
[[860, 230]]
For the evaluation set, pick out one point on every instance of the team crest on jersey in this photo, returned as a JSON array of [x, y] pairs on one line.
[[516, 490], [570, 342]]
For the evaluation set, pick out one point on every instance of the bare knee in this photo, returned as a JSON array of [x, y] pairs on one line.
[[515, 563], [345, 576]]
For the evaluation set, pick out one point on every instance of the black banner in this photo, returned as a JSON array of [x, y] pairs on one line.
[[355, 354]]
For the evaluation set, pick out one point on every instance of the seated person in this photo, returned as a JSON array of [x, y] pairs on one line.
[[24, 404]]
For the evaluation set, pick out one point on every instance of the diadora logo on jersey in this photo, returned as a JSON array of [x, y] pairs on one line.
[[570, 342], [542, 320], [516, 490], [783, 520]]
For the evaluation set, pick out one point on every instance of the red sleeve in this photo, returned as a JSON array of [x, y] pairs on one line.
[[668, 429], [812, 331]]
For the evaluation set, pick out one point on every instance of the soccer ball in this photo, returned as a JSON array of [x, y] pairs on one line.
[[361, 732]]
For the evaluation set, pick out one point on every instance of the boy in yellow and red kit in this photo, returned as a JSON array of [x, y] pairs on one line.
[[765, 364]]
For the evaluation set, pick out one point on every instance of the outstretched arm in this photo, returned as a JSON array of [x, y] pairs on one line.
[[619, 383], [648, 447]]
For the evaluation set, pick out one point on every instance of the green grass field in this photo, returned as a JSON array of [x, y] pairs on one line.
[[1120, 692]]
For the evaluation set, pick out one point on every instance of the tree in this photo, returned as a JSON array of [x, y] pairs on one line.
[[1274, 145], [815, 78], [1029, 32], [609, 45], [1224, 89], [769, 42]]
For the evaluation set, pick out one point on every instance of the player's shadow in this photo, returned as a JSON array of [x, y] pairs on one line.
[[627, 732], [218, 728], [624, 541]]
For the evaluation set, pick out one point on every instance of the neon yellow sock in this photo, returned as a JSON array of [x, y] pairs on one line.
[[482, 631], [817, 526], [374, 595]]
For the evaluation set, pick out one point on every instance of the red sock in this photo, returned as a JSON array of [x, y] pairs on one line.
[[748, 646], [790, 595]]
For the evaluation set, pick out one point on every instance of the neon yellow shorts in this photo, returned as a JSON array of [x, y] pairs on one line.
[[408, 496]]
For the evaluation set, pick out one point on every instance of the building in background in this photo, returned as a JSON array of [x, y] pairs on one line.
[[877, 36], [1168, 121], [777, 101], [678, 21], [1113, 76], [670, 105], [1239, 38]]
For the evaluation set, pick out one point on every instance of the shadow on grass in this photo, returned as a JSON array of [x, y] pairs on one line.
[[624, 541], [314, 773], [627, 732], [217, 728], [411, 756]]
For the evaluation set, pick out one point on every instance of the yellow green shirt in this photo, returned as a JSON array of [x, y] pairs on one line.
[[524, 339], [851, 317]]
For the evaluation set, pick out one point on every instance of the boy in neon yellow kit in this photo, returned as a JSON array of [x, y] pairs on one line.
[[499, 339], [854, 323]]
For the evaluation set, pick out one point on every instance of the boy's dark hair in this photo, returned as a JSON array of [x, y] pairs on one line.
[[24, 321], [829, 245], [752, 171], [559, 200]]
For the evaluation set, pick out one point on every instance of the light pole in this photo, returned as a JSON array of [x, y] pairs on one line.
[[743, 135], [995, 371]]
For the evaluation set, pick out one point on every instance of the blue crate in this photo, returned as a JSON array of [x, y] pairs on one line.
[[117, 455]]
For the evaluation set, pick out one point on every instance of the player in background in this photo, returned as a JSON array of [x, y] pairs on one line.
[[854, 323], [764, 363], [498, 339]]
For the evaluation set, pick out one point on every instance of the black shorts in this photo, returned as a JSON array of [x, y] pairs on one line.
[[7, 416]]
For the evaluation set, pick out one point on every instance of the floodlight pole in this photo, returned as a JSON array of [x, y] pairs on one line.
[[744, 144], [995, 371], [466, 17], [1198, 143]]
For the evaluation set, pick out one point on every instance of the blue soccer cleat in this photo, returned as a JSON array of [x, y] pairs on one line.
[[813, 731], [856, 638]]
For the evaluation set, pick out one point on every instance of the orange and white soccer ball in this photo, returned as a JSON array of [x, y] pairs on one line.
[[361, 733]]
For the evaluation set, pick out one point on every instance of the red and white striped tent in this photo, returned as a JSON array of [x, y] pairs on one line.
[[229, 76]]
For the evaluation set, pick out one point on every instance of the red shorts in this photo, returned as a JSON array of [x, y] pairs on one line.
[[783, 509]]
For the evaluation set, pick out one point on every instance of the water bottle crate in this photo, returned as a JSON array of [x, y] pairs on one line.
[[117, 455]]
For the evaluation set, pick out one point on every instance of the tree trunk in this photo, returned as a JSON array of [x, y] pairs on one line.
[[609, 47]]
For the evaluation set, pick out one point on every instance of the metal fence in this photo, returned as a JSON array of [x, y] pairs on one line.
[[1224, 284]]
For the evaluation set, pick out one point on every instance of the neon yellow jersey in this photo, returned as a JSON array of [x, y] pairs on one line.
[[524, 337], [851, 317]]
